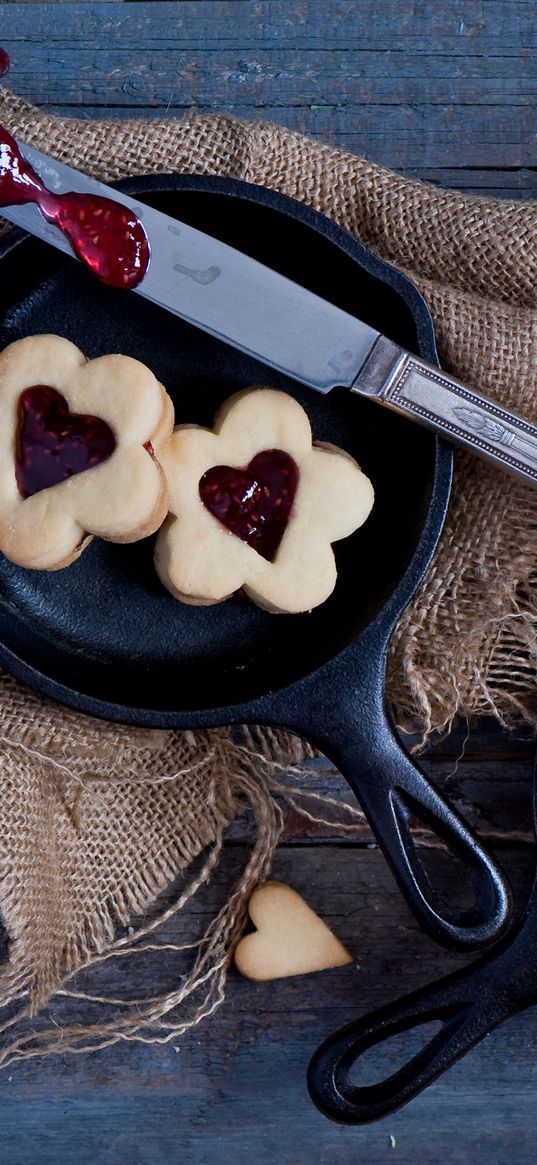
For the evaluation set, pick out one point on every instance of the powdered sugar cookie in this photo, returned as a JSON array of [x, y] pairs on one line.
[[255, 505], [78, 445]]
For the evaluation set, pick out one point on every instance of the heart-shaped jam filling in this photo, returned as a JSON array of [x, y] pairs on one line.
[[52, 443], [254, 503]]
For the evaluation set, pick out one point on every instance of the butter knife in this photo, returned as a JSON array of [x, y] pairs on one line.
[[246, 304]]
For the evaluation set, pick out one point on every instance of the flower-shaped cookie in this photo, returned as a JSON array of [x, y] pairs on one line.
[[254, 505], [77, 451]]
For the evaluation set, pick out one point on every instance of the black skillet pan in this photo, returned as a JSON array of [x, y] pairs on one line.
[[107, 639], [468, 1004]]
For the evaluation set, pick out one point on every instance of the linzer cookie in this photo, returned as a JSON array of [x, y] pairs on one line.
[[254, 504], [78, 445]]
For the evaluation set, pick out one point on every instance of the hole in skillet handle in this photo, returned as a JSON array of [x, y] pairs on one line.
[[475, 924], [385, 1058], [336, 1061]]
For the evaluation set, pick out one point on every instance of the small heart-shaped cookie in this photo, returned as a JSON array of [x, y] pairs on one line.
[[290, 939]]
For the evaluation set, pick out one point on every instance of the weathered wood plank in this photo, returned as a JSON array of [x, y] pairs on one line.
[[432, 90], [487, 775], [512, 183], [493, 797], [382, 133], [478, 26], [176, 76]]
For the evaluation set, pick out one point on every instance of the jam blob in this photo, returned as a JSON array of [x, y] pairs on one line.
[[106, 236], [5, 63], [253, 503], [53, 444]]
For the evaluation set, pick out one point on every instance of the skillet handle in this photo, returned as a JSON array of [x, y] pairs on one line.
[[392, 789], [466, 1006]]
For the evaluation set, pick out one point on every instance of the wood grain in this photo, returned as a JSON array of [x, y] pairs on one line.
[[445, 92]]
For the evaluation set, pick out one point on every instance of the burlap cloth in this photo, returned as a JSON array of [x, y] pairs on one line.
[[96, 820]]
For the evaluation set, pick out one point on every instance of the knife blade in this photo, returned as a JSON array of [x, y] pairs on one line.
[[220, 290], [246, 304]]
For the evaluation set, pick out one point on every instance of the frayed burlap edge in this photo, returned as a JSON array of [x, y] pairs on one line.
[[251, 774]]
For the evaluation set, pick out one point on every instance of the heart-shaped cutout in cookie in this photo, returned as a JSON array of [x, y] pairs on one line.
[[255, 502], [290, 939], [54, 444]]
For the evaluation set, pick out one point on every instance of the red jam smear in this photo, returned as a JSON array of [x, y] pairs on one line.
[[106, 236], [53, 444], [255, 502], [5, 63]]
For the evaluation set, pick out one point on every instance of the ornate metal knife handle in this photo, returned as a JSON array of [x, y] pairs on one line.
[[415, 388]]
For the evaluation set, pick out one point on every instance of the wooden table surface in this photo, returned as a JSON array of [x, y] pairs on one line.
[[443, 90]]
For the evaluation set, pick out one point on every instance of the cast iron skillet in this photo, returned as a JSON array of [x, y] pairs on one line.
[[105, 637], [468, 1005]]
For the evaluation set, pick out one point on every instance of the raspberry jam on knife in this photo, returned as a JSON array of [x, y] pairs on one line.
[[106, 236], [253, 503], [54, 444]]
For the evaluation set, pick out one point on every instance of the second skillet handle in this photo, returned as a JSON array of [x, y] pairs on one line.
[[468, 1008], [392, 789]]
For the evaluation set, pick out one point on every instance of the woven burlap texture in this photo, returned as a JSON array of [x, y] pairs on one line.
[[98, 819]]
